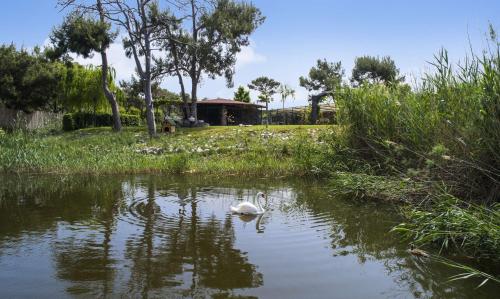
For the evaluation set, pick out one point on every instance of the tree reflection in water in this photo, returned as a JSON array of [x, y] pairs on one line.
[[83, 251], [187, 249]]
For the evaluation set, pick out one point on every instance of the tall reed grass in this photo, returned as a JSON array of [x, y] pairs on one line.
[[445, 134], [448, 129], [453, 224]]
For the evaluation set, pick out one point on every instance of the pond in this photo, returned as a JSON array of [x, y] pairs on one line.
[[167, 236]]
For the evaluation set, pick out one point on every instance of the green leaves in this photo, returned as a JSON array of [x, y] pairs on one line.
[[453, 224], [206, 43], [286, 91], [375, 70], [325, 76], [267, 87], [28, 81], [242, 95], [81, 34]]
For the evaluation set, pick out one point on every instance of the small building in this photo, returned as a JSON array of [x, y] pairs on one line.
[[224, 112]]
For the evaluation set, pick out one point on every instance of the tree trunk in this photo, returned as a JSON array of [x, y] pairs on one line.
[[193, 72], [314, 109], [267, 114], [185, 108], [185, 105], [150, 116], [117, 123], [284, 117], [194, 99]]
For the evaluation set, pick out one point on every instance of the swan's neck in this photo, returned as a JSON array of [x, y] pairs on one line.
[[260, 207]]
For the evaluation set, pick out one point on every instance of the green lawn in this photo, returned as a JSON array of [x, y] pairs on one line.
[[213, 150]]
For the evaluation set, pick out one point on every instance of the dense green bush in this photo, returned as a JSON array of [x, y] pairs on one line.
[[130, 120], [68, 122], [81, 120], [28, 80], [159, 117]]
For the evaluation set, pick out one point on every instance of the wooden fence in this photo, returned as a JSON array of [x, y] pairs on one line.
[[16, 119]]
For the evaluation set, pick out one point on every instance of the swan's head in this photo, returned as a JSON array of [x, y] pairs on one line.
[[261, 195]]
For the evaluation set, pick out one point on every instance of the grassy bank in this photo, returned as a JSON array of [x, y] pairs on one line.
[[283, 150]]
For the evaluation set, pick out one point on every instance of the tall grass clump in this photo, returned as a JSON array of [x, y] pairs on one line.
[[446, 129], [452, 224]]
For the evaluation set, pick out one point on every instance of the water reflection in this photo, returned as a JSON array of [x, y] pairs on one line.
[[250, 218], [156, 236]]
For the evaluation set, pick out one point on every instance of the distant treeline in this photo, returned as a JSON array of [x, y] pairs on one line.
[[33, 81]]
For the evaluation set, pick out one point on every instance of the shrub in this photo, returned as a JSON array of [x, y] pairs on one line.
[[159, 117], [81, 120], [131, 111], [130, 120], [68, 122]]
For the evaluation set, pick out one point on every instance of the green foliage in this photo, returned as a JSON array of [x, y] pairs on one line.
[[82, 89], [445, 132], [308, 158], [375, 70], [130, 120], [131, 92], [163, 99], [205, 41], [467, 271], [325, 76], [81, 34], [447, 129], [28, 81], [454, 224], [242, 95], [221, 34], [131, 97], [267, 87], [218, 151], [364, 186], [68, 122], [286, 91], [81, 120]]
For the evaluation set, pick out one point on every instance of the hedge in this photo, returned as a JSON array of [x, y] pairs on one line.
[[81, 120]]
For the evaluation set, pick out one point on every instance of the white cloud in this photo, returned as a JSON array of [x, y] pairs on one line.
[[248, 55], [124, 66]]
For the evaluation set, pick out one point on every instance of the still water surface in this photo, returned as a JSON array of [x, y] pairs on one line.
[[161, 236]]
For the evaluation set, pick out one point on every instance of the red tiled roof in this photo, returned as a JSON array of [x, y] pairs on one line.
[[228, 102]]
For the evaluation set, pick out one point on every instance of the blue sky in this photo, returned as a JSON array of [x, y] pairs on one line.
[[297, 33]]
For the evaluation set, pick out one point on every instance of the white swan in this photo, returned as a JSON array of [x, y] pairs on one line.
[[247, 208]]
